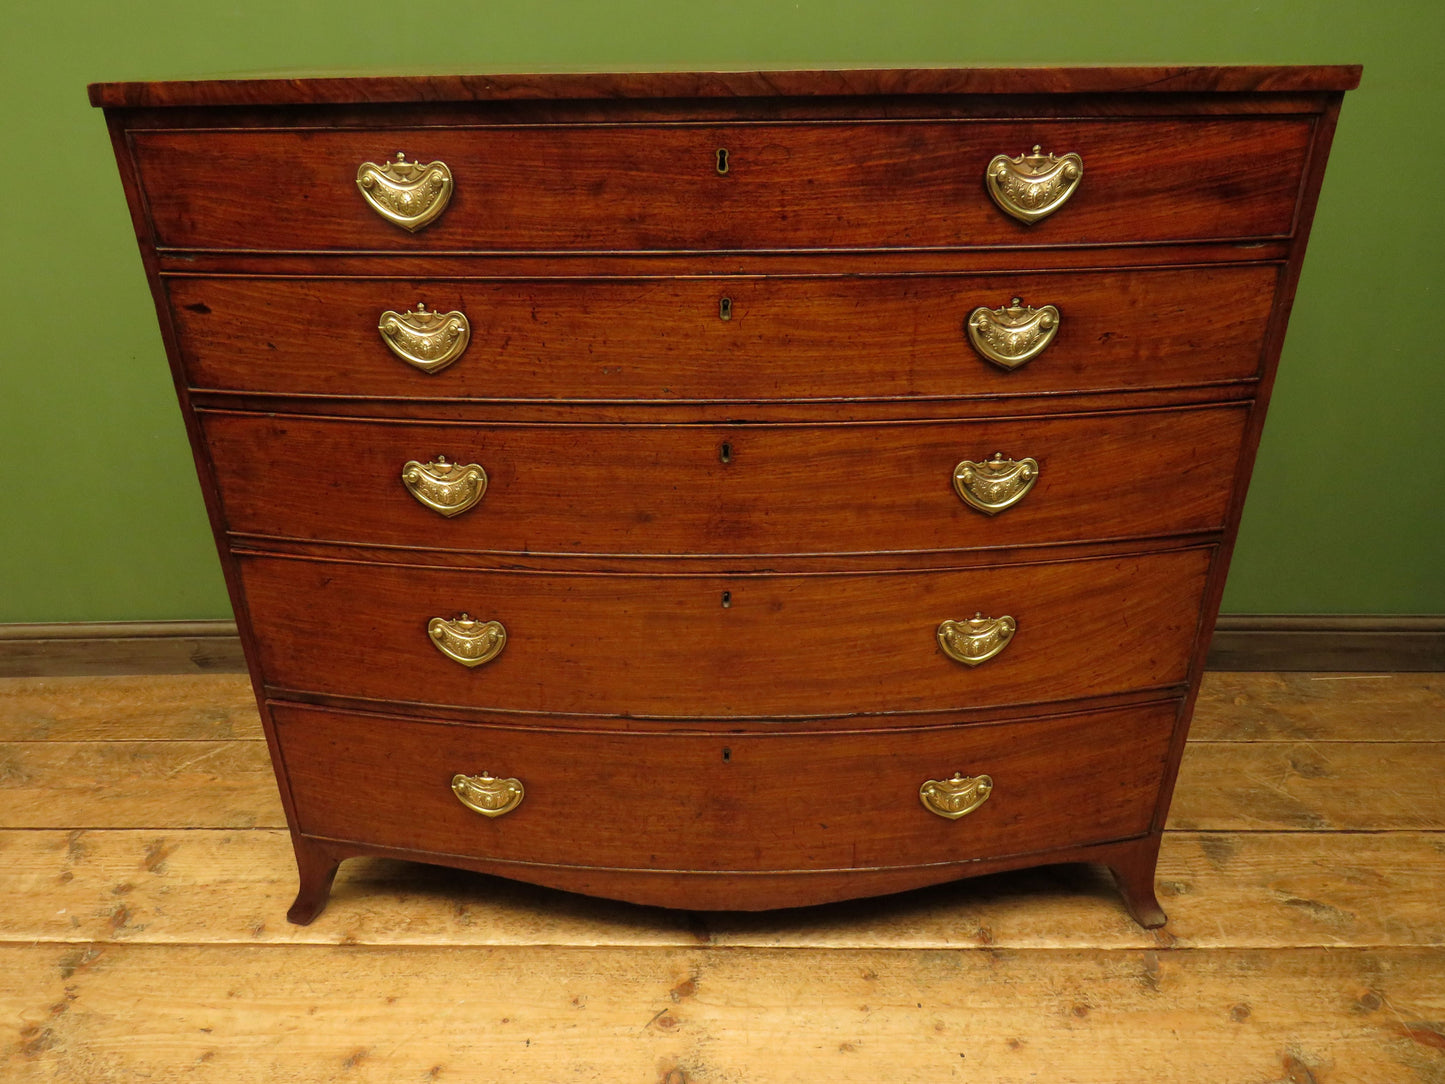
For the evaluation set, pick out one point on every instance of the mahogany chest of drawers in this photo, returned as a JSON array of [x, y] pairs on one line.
[[727, 491]]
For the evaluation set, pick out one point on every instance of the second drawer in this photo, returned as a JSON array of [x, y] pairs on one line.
[[740, 489], [727, 338]]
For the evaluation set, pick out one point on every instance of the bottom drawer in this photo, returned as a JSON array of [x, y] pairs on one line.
[[759, 802]]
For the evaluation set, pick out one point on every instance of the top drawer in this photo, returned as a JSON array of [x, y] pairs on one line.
[[655, 187]]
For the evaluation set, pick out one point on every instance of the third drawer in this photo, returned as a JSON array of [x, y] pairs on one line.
[[718, 489]]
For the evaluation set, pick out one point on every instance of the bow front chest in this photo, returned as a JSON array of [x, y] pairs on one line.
[[727, 491]]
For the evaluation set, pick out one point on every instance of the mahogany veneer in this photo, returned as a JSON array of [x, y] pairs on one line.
[[548, 485], [783, 645], [720, 399], [860, 184], [778, 801], [658, 338]]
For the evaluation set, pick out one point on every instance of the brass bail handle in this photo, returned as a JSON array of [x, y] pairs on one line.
[[996, 484], [1033, 186], [488, 795], [429, 341], [956, 796], [975, 641], [467, 640], [1012, 334], [447, 488], [406, 194]]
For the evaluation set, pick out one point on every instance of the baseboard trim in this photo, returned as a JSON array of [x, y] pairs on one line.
[[96, 648], [1241, 642], [1359, 643]]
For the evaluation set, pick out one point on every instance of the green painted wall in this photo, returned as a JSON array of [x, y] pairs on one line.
[[100, 514]]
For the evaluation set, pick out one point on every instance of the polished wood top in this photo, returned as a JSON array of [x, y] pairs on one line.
[[314, 90]]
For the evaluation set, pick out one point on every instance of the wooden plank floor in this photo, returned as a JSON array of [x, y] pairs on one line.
[[145, 872]]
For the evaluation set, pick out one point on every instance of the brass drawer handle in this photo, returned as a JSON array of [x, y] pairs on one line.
[[976, 640], [956, 797], [448, 488], [467, 640], [1034, 185], [995, 484], [407, 194], [430, 341], [488, 795], [1014, 334]]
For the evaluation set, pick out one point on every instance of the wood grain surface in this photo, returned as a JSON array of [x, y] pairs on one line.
[[646, 645], [1316, 707], [775, 646], [1101, 79], [789, 186], [154, 785], [1294, 953], [303, 1013], [688, 802], [738, 489], [1233, 707], [789, 337], [179, 707], [1259, 889]]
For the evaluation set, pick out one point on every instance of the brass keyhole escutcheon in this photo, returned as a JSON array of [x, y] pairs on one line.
[[725, 453], [727, 600], [725, 308], [722, 160]]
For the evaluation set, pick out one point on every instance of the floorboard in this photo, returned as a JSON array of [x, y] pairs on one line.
[[145, 871], [301, 1013]]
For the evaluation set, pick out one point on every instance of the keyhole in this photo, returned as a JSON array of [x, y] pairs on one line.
[[722, 159], [725, 453], [727, 599], [727, 754], [725, 308]]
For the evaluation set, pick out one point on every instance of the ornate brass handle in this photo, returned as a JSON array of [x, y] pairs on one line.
[[467, 640], [996, 484], [409, 194], [448, 488], [1033, 186], [488, 795], [428, 340], [1012, 335], [976, 640], [956, 797]]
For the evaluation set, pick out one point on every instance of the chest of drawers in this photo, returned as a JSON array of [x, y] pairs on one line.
[[727, 491]]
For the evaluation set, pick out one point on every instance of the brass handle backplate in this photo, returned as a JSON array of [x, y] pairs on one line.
[[429, 341], [995, 484], [1034, 185], [955, 797], [488, 795], [467, 640], [976, 640], [1014, 334], [448, 488], [408, 194]]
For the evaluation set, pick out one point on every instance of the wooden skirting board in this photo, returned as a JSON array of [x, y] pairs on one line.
[[1307, 642], [86, 648]]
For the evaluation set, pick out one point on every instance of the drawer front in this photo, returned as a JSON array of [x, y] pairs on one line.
[[743, 645], [786, 338], [787, 186], [726, 802], [743, 489]]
